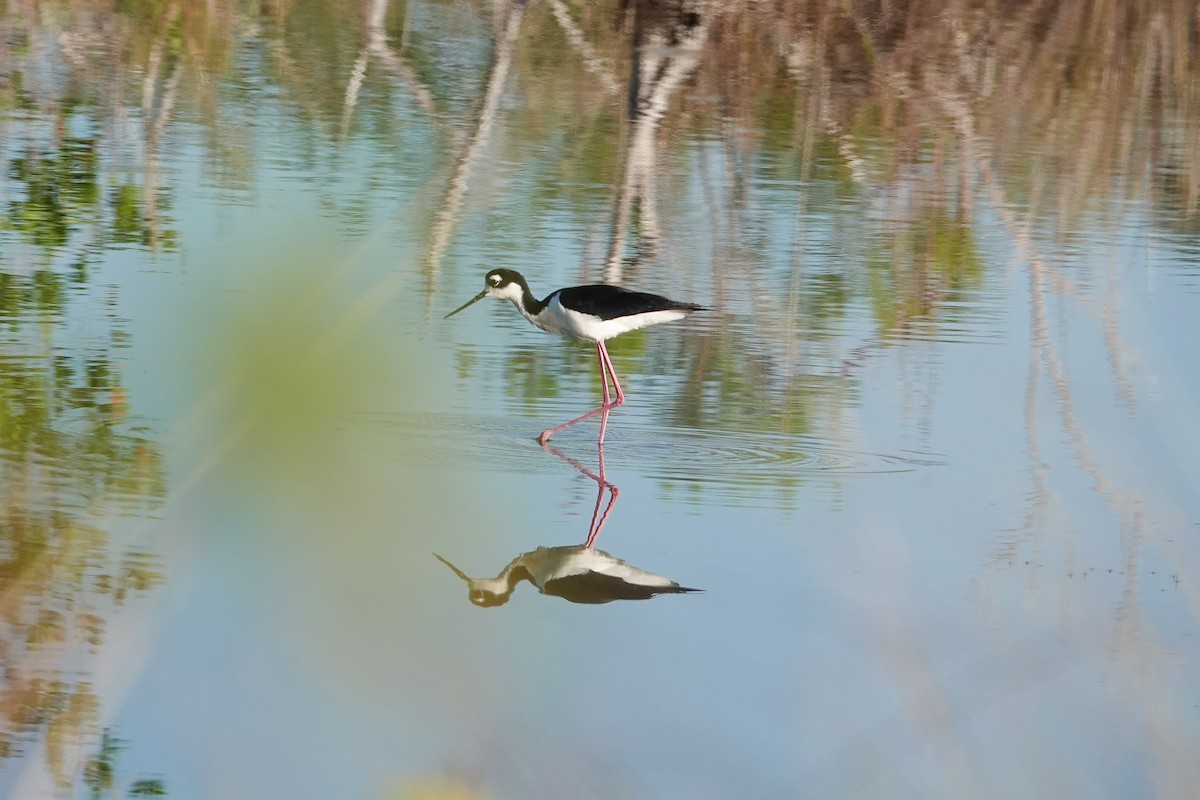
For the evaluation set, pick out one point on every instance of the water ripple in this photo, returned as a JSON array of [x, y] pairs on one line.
[[735, 464]]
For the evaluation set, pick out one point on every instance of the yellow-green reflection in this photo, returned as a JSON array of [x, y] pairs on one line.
[[69, 460], [300, 350], [837, 157], [72, 458]]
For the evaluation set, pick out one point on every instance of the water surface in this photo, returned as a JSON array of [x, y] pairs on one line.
[[930, 456]]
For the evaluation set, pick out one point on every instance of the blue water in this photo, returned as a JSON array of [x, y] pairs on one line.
[[947, 535]]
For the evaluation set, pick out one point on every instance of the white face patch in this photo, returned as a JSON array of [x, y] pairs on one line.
[[494, 280], [509, 291]]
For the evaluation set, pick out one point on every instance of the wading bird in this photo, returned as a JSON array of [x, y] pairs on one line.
[[579, 573], [595, 312]]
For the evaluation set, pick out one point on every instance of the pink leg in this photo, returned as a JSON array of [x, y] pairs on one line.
[[594, 530], [607, 363], [546, 434], [600, 353], [606, 371], [598, 517]]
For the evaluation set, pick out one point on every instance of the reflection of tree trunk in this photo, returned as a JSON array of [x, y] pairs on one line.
[[666, 50], [151, 177], [1126, 505], [376, 45], [1130, 638], [447, 217], [155, 59], [592, 61]]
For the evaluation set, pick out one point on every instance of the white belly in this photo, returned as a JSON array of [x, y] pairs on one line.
[[564, 322]]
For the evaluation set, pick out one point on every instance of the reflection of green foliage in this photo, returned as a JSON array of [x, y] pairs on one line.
[[65, 459], [13, 93], [40, 293], [528, 377], [586, 159], [776, 114], [736, 386], [728, 383], [100, 772], [536, 372], [572, 139], [41, 218], [953, 253], [928, 267], [127, 214], [60, 190], [148, 787], [100, 769], [55, 565], [54, 550], [141, 10], [825, 299], [63, 709], [106, 463], [61, 194]]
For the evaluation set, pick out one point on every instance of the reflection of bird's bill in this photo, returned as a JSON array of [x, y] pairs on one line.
[[472, 301], [457, 571]]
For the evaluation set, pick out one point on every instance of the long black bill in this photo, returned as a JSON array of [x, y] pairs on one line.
[[474, 299], [457, 571]]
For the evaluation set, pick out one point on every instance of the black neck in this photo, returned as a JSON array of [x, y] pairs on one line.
[[514, 573], [531, 304]]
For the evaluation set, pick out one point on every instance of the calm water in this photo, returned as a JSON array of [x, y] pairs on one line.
[[932, 455]]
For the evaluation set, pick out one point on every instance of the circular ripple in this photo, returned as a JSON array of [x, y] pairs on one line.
[[736, 464]]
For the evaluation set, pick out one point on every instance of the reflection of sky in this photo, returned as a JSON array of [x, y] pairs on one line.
[[879, 632], [866, 640]]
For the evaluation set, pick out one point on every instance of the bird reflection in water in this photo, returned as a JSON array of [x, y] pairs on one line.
[[578, 573]]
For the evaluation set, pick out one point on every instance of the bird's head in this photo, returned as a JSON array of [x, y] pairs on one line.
[[483, 592], [505, 284]]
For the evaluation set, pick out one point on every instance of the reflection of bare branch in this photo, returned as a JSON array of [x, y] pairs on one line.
[[152, 177], [1039, 501], [920, 691], [592, 61], [1130, 641], [975, 153], [1126, 505], [376, 45], [846, 149], [801, 64], [155, 58], [1116, 352], [357, 74], [447, 217], [659, 68]]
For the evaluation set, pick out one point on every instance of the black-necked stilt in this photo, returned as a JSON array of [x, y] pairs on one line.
[[577, 573], [595, 312]]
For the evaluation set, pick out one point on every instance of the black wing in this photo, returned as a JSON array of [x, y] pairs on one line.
[[609, 302], [596, 587]]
